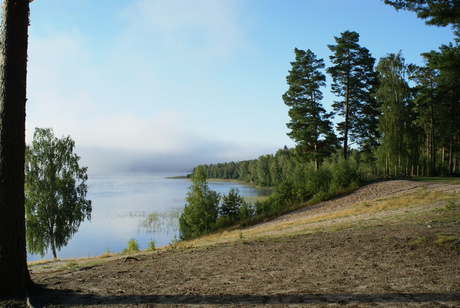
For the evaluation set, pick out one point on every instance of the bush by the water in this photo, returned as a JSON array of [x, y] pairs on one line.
[[133, 246]]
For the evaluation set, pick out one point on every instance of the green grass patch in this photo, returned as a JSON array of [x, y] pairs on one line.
[[450, 213], [71, 265], [445, 180], [444, 239]]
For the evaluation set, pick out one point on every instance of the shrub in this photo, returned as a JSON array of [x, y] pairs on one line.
[[231, 205], [247, 210], [318, 181], [200, 213], [152, 245], [133, 246], [267, 207], [345, 174]]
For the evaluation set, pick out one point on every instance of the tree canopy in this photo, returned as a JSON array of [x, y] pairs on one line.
[[397, 121], [55, 190], [200, 212], [310, 125], [354, 80], [436, 12]]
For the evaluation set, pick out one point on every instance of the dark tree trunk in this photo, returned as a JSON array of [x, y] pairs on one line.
[[347, 119], [53, 243], [14, 275], [432, 144]]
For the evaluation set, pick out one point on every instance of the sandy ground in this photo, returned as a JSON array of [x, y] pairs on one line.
[[392, 258]]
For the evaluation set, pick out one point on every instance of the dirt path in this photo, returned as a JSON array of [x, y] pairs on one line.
[[413, 263]]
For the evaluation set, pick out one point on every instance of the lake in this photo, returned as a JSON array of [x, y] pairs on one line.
[[145, 207]]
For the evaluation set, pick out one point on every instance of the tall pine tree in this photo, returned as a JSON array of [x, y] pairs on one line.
[[310, 126], [354, 80]]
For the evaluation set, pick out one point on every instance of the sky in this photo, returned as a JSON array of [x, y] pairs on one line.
[[165, 85]]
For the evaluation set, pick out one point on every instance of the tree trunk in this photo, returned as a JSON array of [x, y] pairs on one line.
[[14, 275], [53, 244], [432, 144], [347, 112], [443, 159]]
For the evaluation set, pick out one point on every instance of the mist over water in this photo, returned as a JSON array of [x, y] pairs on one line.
[[145, 207]]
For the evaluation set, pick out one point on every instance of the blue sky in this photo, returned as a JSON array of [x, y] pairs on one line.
[[168, 84]]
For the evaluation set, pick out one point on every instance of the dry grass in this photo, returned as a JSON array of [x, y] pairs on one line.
[[361, 214], [423, 206]]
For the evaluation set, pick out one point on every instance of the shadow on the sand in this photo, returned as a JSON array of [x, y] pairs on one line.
[[42, 297]]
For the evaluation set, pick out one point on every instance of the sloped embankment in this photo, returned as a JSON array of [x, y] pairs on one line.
[[387, 244]]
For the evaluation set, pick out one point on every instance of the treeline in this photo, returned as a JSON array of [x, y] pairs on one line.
[[272, 170], [402, 118], [207, 211], [395, 119], [266, 171]]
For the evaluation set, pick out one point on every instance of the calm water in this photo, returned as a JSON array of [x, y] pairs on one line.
[[141, 206]]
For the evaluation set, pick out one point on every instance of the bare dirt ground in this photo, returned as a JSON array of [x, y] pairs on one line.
[[337, 253]]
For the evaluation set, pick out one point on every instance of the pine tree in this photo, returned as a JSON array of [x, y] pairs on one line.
[[310, 126], [446, 62], [231, 204], [354, 80], [436, 12]]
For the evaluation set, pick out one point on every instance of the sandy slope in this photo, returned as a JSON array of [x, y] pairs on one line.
[[386, 259]]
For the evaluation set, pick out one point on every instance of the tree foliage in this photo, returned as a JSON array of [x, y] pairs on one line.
[[397, 121], [55, 191], [354, 79], [229, 210], [446, 62], [403, 119], [428, 116], [267, 170], [310, 125], [201, 211], [436, 12]]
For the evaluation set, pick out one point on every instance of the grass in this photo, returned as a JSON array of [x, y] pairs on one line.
[[398, 210], [450, 213], [368, 207], [75, 264], [444, 180], [254, 199], [445, 240]]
